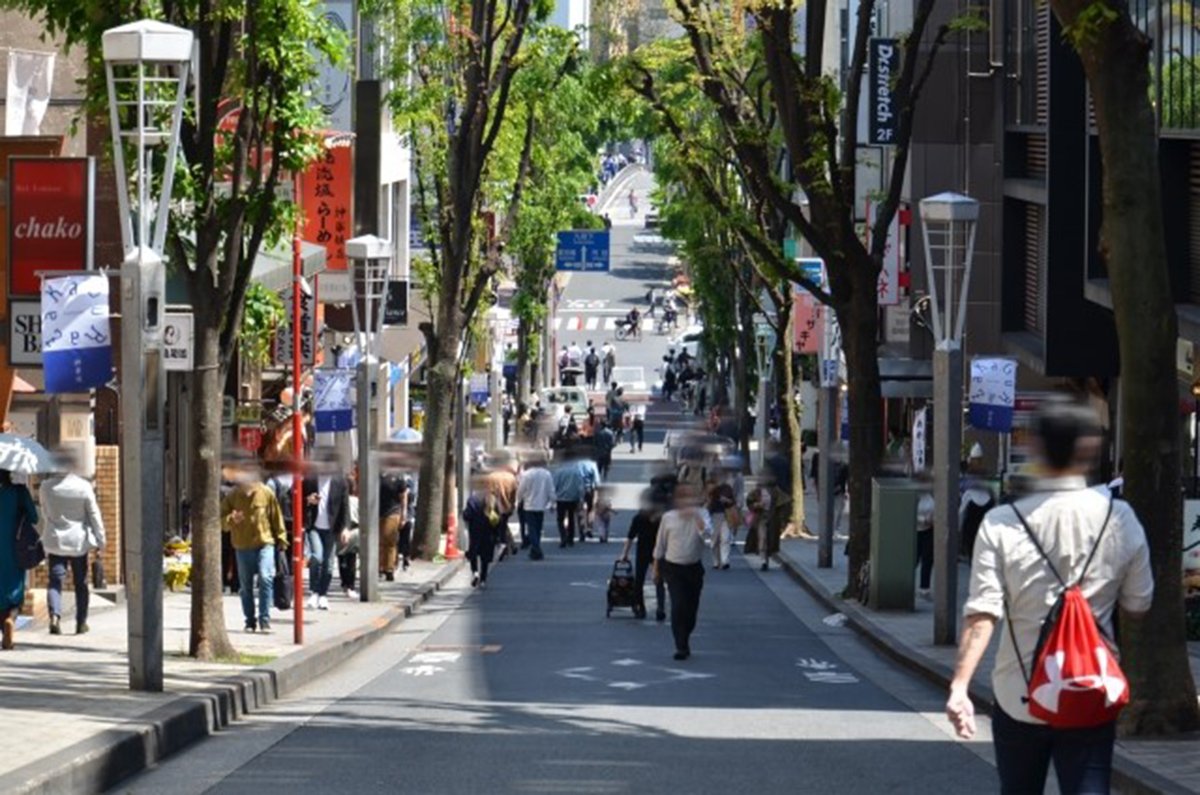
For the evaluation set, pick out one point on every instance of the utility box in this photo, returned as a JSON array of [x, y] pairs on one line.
[[893, 542]]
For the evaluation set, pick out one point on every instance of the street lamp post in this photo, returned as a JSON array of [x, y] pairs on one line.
[[764, 343], [372, 259], [948, 222], [146, 66]]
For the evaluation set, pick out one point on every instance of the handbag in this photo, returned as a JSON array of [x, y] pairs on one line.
[[28, 550], [99, 581], [284, 583]]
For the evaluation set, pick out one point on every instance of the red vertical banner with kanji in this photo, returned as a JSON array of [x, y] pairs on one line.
[[327, 188]]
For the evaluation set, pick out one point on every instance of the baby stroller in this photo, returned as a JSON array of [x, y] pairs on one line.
[[621, 590]]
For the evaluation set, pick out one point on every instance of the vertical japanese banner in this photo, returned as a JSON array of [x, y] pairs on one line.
[[808, 313], [992, 394], [327, 188], [76, 344], [334, 400]]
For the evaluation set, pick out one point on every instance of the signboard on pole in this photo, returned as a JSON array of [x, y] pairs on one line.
[[25, 333], [308, 328], [582, 250], [395, 305], [919, 439], [992, 394], [335, 287], [808, 314], [327, 188], [333, 400], [49, 219], [76, 342], [179, 334], [882, 116]]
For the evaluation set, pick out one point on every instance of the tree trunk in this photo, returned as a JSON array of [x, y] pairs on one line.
[[1134, 245], [208, 639], [524, 371], [790, 432], [859, 321], [744, 384], [439, 417]]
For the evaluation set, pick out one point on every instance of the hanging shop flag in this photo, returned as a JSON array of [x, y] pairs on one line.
[[326, 191], [992, 395], [334, 399], [76, 344], [30, 81]]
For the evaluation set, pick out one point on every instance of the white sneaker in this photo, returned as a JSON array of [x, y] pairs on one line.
[[322, 603], [311, 603], [924, 594], [351, 594]]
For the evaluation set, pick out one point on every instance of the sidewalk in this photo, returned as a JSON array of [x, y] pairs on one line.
[[80, 729], [1141, 766]]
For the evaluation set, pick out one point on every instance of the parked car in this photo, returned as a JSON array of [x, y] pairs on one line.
[[555, 397]]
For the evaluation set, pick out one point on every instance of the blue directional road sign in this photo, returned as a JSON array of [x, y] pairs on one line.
[[582, 250]]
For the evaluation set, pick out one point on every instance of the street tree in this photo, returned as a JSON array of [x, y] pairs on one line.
[[1115, 56], [813, 189], [252, 124], [454, 66]]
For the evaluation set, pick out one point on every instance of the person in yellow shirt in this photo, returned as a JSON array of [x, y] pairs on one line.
[[250, 513]]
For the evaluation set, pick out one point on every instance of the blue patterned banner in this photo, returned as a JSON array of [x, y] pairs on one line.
[[76, 343]]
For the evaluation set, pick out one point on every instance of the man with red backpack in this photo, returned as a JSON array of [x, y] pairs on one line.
[[1054, 565]]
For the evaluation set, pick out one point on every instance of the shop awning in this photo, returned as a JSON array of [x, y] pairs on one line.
[[273, 268]]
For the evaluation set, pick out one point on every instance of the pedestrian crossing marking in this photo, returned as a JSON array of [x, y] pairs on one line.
[[579, 323]]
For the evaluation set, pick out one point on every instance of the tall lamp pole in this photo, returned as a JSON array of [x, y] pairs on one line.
[[372, 259], [146, 68], [948, 222]]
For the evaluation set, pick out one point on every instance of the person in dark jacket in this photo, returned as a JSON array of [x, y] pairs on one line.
[[643, 531], [326, 521], [483, 520]]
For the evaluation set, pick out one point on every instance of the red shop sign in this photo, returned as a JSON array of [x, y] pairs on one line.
[[327, 187], [50, 202]]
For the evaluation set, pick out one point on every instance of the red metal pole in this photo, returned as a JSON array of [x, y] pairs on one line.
[[297, 427]]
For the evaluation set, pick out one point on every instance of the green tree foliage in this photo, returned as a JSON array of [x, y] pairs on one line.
[[252, 123]]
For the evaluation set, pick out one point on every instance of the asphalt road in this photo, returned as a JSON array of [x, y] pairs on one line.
[[527, 688]]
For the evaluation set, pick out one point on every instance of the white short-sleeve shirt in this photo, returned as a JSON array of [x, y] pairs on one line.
[[1066, 516]]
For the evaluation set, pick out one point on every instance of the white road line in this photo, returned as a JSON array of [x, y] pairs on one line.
[[592, 323]]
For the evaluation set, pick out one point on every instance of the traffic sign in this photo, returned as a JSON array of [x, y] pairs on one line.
[[582, 250]]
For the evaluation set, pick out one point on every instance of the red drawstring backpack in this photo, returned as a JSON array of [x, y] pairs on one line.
[[1076, 682]]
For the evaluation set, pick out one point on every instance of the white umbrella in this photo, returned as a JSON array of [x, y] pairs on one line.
[[25, 456], [409, 435]]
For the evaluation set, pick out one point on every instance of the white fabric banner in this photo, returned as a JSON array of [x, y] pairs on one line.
[[30, 79]]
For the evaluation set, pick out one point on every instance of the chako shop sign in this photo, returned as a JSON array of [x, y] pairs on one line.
[[326, 187], [49, 219], [881, 113]]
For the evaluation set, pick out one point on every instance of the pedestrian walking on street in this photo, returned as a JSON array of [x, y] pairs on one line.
[[637, 432], [591, 366], [501, 483], [347, 547], [535, 492], [1027, 555], [73, 529], [643, 531], [483, 520], [722, 507], [327, 517], [608, 360], [678, 553], [758, 519], [589, 473], [251, 516], [925, 511], [16, 506], [393, 515], [604, 443], [568, 489]]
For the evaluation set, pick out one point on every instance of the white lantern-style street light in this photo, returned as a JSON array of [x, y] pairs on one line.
[[948, 222], [372, 258], [146, 65]]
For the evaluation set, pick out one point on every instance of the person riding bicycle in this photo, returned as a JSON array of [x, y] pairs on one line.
[[633, 320]]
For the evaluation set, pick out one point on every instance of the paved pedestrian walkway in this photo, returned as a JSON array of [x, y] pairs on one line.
[[62, 694], [1167, 766]]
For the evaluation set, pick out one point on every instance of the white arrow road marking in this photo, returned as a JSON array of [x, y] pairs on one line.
[[422, 670], [578, 673], [815, 665], [682, 676], [585, 585], [832, 678], [627, 661], [626, 685], [834, 620], [435, 657]]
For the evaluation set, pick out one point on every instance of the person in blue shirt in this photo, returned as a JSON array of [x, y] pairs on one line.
[[589, 473], [569, 490]]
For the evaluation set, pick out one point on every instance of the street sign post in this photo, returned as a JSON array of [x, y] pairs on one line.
[[582, 250]]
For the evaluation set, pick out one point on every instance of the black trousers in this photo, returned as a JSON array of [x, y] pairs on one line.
[[348, 569], [925, 556], [567, 521], [1082, 757], [685, 582]]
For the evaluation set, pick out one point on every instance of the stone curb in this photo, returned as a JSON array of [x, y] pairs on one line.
[[102, 762], [1129, 776]]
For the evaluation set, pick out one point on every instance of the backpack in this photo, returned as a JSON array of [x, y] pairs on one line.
[[1076, 682]]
